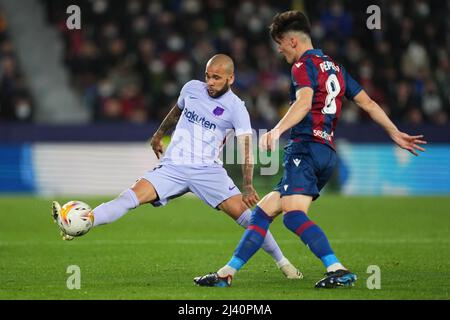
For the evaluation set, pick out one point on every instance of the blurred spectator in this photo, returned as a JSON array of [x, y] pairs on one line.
[[132, 103], [414, 116], [336, 21], [403, 100], [432, 103], [15, 100], [111, 110]]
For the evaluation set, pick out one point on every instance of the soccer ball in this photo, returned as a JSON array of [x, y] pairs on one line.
[[75, 218]]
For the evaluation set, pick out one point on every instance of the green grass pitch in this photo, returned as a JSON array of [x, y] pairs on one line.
[[154, 253]]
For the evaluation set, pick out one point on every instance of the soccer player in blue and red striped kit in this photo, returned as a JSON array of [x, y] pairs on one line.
[[318, 87]]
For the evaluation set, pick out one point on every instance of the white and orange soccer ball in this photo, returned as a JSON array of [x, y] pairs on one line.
[[75, 218]]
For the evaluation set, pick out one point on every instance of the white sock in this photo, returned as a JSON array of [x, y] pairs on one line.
[[284, 261], [335, 266], [269, 245], [226, 271], [111, 211]]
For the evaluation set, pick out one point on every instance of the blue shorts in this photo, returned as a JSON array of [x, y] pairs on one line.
[[210, 183], [308, 170]]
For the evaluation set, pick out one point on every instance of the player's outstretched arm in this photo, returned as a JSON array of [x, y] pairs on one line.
[[168, 124], [296, 113], [249, 194], [403, 140]]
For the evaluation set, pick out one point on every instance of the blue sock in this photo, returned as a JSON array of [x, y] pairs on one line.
[[252, 240], [269, 245], [311, 235]]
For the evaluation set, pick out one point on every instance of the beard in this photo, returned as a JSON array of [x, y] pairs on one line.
[[220, 92]]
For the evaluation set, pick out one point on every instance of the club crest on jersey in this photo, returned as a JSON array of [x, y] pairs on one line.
[[218, 111]]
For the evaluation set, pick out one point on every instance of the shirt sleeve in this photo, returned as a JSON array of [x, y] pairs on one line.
[[352, 87], [302, 75], [241, 121], [183, 95]]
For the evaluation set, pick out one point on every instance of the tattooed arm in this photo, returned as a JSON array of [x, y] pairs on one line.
[[249, 194], [168, 124]]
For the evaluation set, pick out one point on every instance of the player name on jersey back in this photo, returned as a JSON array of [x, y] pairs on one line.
[[329, 65]]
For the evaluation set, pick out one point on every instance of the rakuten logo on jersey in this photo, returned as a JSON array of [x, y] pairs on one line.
[[323, 135], [191, 116]]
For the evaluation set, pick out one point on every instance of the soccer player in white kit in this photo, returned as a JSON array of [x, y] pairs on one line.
[[204, 114]]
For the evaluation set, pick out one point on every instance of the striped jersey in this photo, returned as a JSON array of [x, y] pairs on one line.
[[330, 83]]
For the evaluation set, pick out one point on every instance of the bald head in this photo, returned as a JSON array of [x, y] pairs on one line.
[[222, 61], [219, 75]]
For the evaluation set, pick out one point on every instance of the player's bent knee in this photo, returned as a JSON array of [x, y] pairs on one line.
[[233, 206], [293, 207], [145, 191], [296, 202], [271, 204]]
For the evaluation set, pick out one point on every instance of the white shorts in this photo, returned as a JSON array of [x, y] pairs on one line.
[[210, 183]]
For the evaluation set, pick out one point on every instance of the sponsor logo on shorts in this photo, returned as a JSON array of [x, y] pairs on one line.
[[231, 188], [323, 135]]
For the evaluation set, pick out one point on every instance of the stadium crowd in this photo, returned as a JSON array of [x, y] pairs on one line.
[[15, 99], [130, 58]]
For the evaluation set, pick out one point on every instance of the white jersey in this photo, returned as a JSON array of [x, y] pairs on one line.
[[204, 124]]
